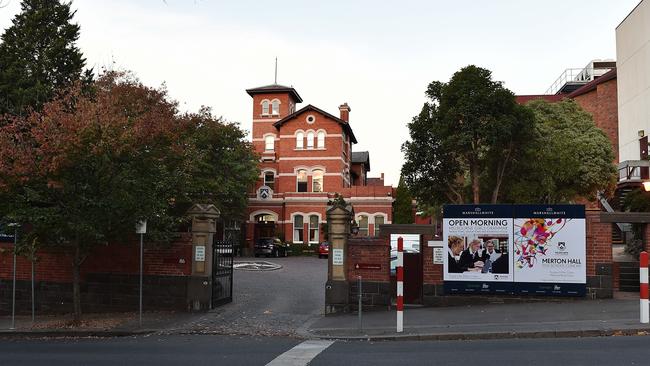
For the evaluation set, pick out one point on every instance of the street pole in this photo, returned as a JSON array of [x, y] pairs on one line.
[[360, 304], [13, 295], [33, 298], [141, 270]]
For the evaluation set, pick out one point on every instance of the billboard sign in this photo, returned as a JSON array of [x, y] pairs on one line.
[[525, 249]]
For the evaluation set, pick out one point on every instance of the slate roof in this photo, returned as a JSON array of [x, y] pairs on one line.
[[361, 157], [345, 125], [275, 88]]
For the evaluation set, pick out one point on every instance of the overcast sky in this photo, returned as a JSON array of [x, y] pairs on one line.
[[378, 56]]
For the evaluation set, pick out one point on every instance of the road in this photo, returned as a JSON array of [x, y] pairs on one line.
[[269, 303], [227, 350]]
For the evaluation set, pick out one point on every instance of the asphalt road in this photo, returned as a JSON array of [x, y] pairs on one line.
[[224, 350]]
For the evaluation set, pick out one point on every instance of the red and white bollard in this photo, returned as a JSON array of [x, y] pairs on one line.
[[643, 280], [400, 284]]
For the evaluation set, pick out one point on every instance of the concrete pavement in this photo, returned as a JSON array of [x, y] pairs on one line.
[[573, 318]]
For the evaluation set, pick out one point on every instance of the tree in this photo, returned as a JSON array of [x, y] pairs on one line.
[[470, 128], [83, 171], [567, 158], [39, 56], [403, 211]]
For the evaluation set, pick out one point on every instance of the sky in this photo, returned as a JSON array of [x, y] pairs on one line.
[[378, 56]]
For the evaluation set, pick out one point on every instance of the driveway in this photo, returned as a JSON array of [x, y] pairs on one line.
[[277, 302]]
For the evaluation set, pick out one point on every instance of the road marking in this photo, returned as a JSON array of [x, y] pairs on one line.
[[301, 354]]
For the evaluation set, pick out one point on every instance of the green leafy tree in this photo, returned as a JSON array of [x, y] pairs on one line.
[[38, 56], [83, 171], [403, 207], [568, 157], [464, 140]]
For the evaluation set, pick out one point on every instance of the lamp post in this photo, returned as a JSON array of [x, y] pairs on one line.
[[13, 292], [141, 228]]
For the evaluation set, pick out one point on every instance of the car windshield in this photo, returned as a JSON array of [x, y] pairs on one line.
[[265, 241]]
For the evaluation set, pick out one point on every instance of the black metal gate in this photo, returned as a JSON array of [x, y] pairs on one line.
[[222, 257]]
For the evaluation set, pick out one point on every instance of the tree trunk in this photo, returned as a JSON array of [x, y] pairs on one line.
[[76, 280], [476, 186]]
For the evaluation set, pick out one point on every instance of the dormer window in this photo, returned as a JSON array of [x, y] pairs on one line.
[[276, 107], [265, 107]]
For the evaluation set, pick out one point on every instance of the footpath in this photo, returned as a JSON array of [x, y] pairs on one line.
[[573, 318], [570, 318]]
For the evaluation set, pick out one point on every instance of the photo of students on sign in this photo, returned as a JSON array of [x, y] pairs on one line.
[[484, 255]]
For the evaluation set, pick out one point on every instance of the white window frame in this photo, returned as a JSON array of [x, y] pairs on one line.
[[367, 228], [320, 138], [300, 229], [315, 229], [310, 140], [275, 107], [265, 107], [269, 140], [300, 140], [320, 179], [306, 180], [265, 181]]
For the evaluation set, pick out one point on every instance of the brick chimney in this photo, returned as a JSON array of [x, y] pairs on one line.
[[345, 112]]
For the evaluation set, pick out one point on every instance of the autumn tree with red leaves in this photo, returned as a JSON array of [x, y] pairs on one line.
[[83, 171]]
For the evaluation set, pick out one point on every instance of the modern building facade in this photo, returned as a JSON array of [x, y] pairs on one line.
[[633, 54], [306, 159]]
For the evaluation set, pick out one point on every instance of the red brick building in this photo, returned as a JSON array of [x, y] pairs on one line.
[[306, 158]]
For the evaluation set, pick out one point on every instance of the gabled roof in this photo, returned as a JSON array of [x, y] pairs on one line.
[[345, 125], [275, 88], [361, 157], [609, 75]]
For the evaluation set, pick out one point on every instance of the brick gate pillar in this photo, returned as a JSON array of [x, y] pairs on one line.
[[204, 224], [339, 217]]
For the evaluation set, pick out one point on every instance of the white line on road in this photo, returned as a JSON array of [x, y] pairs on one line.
[[301, 354]]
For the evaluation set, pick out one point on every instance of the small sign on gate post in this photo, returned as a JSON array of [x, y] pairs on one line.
[[199, 253]]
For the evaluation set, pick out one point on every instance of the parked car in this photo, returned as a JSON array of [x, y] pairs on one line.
[[271, 247], [323, 249]]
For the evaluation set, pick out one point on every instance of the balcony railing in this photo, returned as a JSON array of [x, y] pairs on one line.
[[632, 171]]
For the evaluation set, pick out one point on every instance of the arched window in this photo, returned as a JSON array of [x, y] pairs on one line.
[[313, 229], [362, 221], [317, 180], [300, 140], [276, 107], [269, 179], [265, 107], [310, 140], [269, 143], [298, 229], [321, 140], [379, 220], [301, 181]]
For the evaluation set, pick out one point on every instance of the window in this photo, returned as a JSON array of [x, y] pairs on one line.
[[317, 181], [321, 140], [269, 142], [300, 140], [302, 181], [265, 107], [313, 229], [269, 179], [363, 225], [298, 229], [310, 140], [276, 107], [379, 220]]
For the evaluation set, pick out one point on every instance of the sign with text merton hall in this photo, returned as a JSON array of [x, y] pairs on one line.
[[522, 249]]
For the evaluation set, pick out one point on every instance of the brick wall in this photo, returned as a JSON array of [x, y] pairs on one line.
[[602, 104], [600, 282], [108, 277], [375, 282]]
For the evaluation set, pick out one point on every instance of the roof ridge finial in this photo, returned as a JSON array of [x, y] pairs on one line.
[[275, 82]]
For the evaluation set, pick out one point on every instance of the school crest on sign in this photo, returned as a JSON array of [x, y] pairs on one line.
[[264, 193]]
